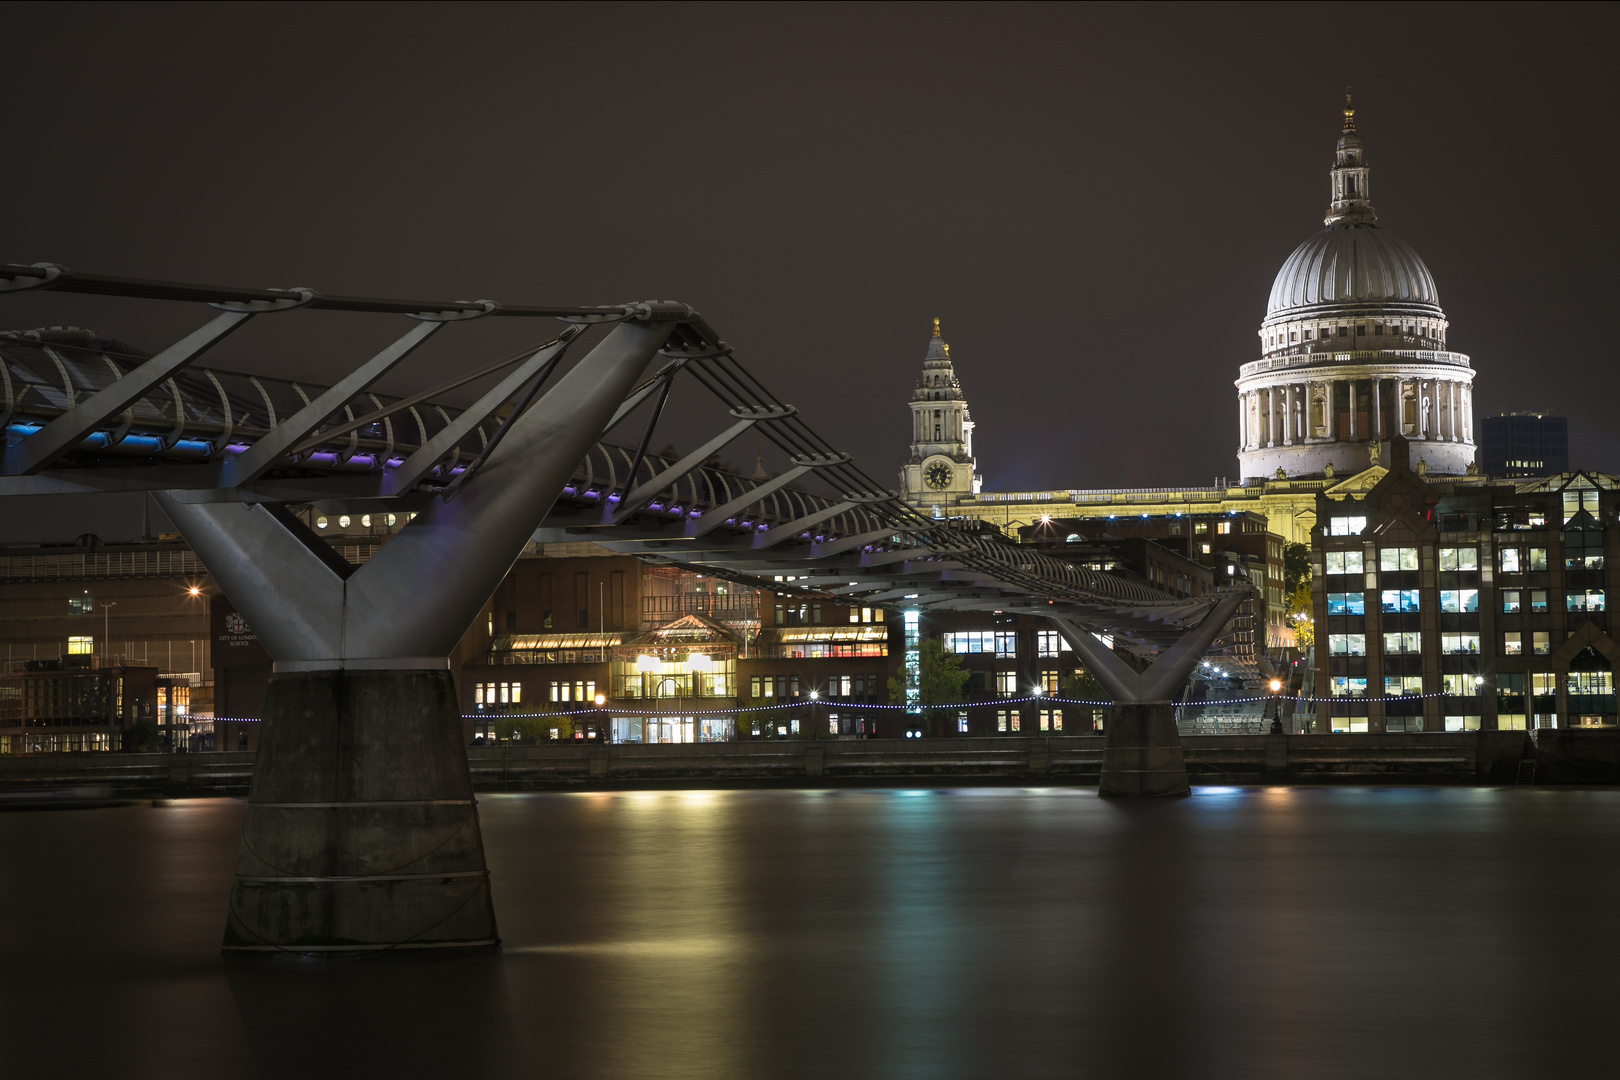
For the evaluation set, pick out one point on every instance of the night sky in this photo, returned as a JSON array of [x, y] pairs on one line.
[[1094, 200]]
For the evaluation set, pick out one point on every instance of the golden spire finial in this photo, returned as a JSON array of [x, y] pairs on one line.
[[947, 349], [936, 326], [1349, 112]]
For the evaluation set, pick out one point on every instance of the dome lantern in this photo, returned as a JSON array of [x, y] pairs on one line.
[[1351, 198]]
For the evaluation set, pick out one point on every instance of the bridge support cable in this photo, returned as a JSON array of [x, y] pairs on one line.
[[721, 514], [68, 430], [251, 463], [828, 548], [530, 377], [641, 496], [778, 533], [410, 400], [647, 433]]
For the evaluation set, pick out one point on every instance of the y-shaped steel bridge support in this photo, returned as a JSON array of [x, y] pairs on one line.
[[1143, 754], [361, 831]]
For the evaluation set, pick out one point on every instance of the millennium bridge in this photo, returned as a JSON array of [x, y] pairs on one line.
[[361, 830]]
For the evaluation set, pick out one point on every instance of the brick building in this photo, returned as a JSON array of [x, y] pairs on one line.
[[1472, 606]]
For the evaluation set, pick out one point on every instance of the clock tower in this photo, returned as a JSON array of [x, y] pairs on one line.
[[940, 470]]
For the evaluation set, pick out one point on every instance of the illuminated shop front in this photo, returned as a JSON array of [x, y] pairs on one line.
[[691, 662], [674, 729]]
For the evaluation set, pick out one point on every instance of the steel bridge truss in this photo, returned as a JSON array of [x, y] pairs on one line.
[[85, 413]]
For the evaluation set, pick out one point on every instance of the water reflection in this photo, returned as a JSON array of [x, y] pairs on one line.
[[939, 933]]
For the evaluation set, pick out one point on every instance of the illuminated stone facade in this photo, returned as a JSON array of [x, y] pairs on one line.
[[941, 471]]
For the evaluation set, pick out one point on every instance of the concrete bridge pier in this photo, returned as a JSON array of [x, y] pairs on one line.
[[361, 828], [362, 832], [1143, 754]]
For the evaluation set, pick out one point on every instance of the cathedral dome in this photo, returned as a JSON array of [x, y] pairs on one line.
[[1351, 265]]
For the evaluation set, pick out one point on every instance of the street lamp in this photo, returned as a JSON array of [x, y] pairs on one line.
[[1276, 706], [106, 634]]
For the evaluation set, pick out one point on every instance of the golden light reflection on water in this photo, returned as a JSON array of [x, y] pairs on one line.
[[675, 970]]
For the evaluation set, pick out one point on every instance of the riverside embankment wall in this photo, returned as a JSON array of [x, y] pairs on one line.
[[1483, 757]]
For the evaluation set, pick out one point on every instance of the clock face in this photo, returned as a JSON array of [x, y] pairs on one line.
[[938, 476]]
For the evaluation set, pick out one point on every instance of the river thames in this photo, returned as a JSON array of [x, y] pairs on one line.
[[1265, 932]]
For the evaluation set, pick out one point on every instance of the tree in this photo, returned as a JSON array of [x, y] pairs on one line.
[[758, 721], [141, 737], [1298, 614], [940, 678], [1296, 566], [533, 729], [1082, 685]]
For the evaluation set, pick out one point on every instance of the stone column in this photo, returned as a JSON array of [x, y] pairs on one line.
[[1468, 414], [1350, 407], [1332, 411], [1377, 407], [1288, 417], [1456, 427], [1243, 421], [1271, 416]]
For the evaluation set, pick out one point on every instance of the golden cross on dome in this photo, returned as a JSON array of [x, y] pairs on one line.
[[936, 326], [1349, 112]]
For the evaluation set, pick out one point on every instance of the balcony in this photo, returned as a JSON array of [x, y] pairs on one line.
[[1300, 357], [724, 607]]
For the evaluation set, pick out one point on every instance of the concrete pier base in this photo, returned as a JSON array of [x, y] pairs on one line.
[[361, 832], [1143, 755]]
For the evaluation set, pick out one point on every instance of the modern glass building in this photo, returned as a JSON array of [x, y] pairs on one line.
[[1525, 444]]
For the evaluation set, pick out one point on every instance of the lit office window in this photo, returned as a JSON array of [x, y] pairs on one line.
[[1403, 686], [1347, 645], [1459, 558], [1408, 641], [1459, 643], [1459, 600], [1345, 604], [1348, 686], [1401, 558], [1344, 562], [1399, 600]]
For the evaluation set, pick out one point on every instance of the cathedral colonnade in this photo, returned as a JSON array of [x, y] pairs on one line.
[[1312, 408]]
